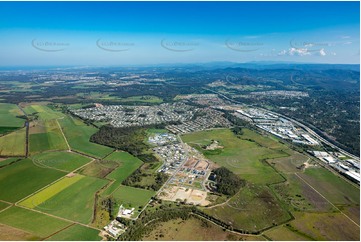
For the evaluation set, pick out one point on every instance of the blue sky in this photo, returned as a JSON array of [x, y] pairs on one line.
[[131, 33]]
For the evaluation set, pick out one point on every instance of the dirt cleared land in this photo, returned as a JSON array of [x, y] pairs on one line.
[[193, 196], [10, 233], [190, 162], [202, 165]]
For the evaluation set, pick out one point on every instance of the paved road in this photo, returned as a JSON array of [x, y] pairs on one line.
[[296, 122]]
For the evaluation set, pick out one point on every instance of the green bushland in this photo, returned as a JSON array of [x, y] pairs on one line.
[[129, 139], [227, 182]]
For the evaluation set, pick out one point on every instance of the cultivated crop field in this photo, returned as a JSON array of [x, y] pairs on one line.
[[13, 144], [75, 202], [8, 119], [43, 112], [78, 135], [62, 160], [22, 178], [76, 232], [46, 135], [127, 165], [37, 224], [41, 197]]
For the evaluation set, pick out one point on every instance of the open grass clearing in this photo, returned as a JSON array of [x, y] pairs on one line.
[[131, 197], [326, 226], [284, 233], [252, 209], [333, 187], [243, 157], [193, 229]]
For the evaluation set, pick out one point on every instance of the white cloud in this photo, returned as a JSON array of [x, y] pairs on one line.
[[302, 52], [347, 43], [345, 37], [298, 51]]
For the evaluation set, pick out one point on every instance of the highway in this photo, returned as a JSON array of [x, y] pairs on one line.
[[313, 133]]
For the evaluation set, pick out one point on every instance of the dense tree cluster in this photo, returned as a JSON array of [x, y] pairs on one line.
[[130, 139], [135, 179], [237, 130], [228, 183]]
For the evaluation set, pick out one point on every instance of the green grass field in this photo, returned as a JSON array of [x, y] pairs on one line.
[[132, 197], [76, 202], [143, 99], [13, 144], [243, 157], [252, 209], [78, 135], [127, 165], [326, 226], [7, 161], [44, 112], [41, 197], [334, 188], [300, 197], [194, 229], [35, 223], [62, 160], [3, 205], [76, 233], [23, 178], [284, 233], [46, 137], [8, 113]]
